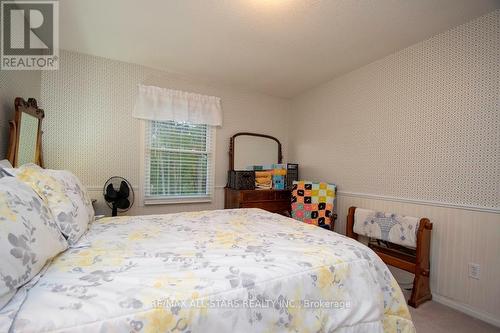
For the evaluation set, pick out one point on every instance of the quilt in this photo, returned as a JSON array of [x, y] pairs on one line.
[[313, 202], [243, 270], [390, 227]]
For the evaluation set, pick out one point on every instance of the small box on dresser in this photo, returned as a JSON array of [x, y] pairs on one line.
[[241, 180]]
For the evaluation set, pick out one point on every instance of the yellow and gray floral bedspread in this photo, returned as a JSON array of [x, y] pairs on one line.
[[213, 271]]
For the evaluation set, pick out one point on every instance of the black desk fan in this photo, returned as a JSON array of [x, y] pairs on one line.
[[118, 194]]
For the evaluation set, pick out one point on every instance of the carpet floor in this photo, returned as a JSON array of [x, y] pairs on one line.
[[433, 317]]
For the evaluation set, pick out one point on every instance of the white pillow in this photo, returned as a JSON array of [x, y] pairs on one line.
[[4, 173], [66, 197], [29, 236], [5, 164], [79, 196]]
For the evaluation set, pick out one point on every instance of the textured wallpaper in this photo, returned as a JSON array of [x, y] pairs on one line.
[[90, 130], [14, 84], [422, 123]]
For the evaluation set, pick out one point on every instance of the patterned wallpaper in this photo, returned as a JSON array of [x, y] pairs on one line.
[[421, 124], [88, 122], [90, 130], [14, 84]]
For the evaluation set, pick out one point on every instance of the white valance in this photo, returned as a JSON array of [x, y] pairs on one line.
[[155, 103]]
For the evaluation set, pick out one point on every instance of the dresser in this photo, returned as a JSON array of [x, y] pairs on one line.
[[275, 201]]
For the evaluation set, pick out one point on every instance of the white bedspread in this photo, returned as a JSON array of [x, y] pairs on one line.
[[213, 271]]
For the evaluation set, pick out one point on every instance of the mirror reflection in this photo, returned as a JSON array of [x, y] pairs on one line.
[[25, 139], [28, 135], [254, 150]]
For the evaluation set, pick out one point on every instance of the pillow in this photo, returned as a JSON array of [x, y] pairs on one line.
[[14, 171], [4, 173], [65, 195], [77, 192], [5, 164], [29, 236]]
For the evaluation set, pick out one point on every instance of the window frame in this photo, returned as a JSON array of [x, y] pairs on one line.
[[162, 200]]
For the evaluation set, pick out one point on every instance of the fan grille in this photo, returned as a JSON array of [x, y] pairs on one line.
[[115, 194]]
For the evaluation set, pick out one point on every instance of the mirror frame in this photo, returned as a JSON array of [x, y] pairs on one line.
[[232, 148], [31, 108]]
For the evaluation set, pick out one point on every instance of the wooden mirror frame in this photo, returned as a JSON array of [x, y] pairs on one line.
[[231, 146], [30, 107]]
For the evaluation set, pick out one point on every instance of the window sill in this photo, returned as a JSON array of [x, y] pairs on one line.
[[177, 201]]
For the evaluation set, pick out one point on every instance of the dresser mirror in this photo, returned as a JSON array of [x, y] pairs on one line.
[[248, 149], [251, 149], [25, 141]]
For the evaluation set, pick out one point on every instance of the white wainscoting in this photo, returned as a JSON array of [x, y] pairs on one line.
[[459, 236]]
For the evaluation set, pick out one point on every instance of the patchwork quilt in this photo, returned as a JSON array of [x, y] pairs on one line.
[[313, 202], [243, 270]]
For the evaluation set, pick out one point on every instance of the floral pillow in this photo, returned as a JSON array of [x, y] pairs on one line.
[[29, 236], [65, 195], [83, 212], [45, 185]]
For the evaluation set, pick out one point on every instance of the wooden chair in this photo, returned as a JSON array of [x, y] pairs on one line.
[[416, 261]]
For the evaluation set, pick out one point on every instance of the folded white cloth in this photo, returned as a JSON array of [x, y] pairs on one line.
[[390, 227]]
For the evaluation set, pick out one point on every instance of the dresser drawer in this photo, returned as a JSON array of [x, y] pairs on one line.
[[270, 206], [257, 196], [283, 195], [276, 201]]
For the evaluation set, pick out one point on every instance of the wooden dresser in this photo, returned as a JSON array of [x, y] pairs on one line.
[[275, 201]]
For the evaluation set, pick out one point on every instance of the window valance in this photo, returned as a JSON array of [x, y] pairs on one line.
[[161, 104]]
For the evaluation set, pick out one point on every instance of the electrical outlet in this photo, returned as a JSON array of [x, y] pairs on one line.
[[474, 270]]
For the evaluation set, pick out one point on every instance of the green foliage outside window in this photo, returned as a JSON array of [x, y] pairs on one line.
[[178, 159]]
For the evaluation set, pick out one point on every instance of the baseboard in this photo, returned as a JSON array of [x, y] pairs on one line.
[[486, 317]]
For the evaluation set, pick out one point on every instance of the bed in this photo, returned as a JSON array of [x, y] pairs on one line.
[[243, 270]]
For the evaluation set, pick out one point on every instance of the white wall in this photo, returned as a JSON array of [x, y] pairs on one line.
[[89, 128], [418, 132], [14, 84]]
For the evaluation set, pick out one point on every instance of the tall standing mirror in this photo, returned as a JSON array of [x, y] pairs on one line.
[[26, 133]]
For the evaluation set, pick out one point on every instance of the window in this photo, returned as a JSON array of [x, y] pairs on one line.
[[179, 162]]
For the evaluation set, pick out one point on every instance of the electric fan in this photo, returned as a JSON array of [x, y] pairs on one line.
[[118, 194]]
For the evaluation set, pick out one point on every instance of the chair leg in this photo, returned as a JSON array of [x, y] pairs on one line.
[[421, 290]]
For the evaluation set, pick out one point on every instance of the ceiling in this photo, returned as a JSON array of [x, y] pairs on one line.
[[279, 47]]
